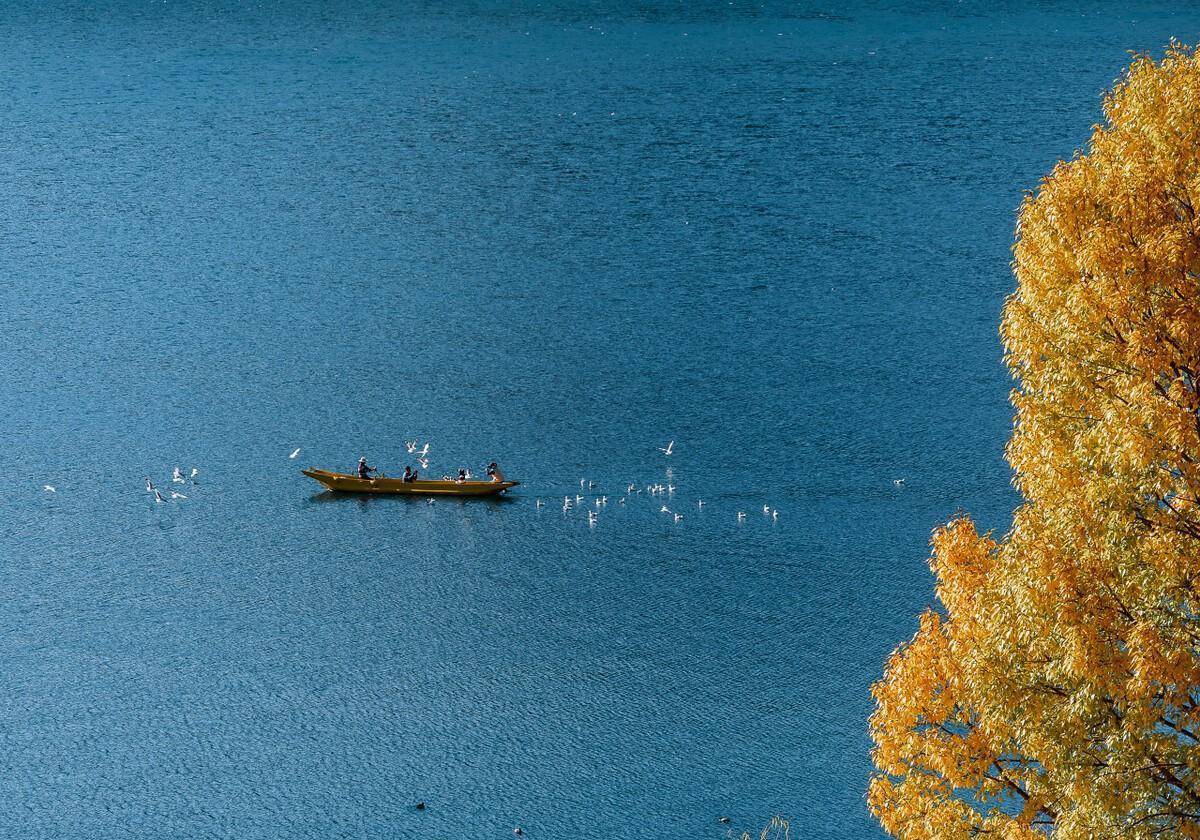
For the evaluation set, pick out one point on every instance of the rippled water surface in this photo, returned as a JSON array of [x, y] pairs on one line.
[[556, 234]]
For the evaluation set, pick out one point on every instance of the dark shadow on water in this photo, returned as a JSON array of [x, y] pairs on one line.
[[326, 496]]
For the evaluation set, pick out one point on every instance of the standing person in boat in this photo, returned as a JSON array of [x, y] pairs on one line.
[[493, 470], [463, 475], [407, 478], [364, 471]]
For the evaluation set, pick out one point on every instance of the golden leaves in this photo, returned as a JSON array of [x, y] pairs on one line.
[[1059, 691]]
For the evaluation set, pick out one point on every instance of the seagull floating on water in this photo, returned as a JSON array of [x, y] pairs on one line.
[[176, 495], [664, 509], [678, 517], [766, 508], [158, 497], [741, 516], [149, 485], [196, 472], [668, 449], [899, 482], [295, 452]]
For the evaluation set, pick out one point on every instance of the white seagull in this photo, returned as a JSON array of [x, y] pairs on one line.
[[49, 488], [176, 495], [668, 449], [149, 485], [664, 509], [411, 446], [158, 497], [295, 452], [196, 472], [678, 517], [899, 482], [424, 450], [177, 476], [424, 462], [741, 516]]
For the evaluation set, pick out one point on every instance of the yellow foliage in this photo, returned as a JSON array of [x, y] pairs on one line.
[[1057, 691]]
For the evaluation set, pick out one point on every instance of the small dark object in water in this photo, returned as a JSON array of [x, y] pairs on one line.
[[421, 805], [761, 287], [724, 820]]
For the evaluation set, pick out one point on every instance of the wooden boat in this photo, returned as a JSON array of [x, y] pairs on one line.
[[345, 483]]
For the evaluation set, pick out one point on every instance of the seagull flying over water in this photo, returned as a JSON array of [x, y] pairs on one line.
[[158, 497], [741, 516], [678, 517], [899, 482], [424, 462], [411, 446], [664, 509], [149, 485], [177, 495], [49, 488], [177, 476], [668, 449], [196, 472], [295, 452]]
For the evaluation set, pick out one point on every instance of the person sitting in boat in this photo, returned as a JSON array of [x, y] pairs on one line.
[[364, 471], [407, 478], [493, 470], [463, 475]]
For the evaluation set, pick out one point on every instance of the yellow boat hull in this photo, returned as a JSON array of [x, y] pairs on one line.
[[344, 483]]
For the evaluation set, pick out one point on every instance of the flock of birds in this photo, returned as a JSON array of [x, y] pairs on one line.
[[576, 502], [656, 491], [177, 477]]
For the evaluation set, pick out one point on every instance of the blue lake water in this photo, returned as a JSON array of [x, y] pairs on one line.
[[555, 234]]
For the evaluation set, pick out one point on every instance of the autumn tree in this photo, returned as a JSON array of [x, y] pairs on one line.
[[1055, 690]]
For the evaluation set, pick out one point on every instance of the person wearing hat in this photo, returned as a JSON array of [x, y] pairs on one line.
[[493, 470], [364, 471]]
